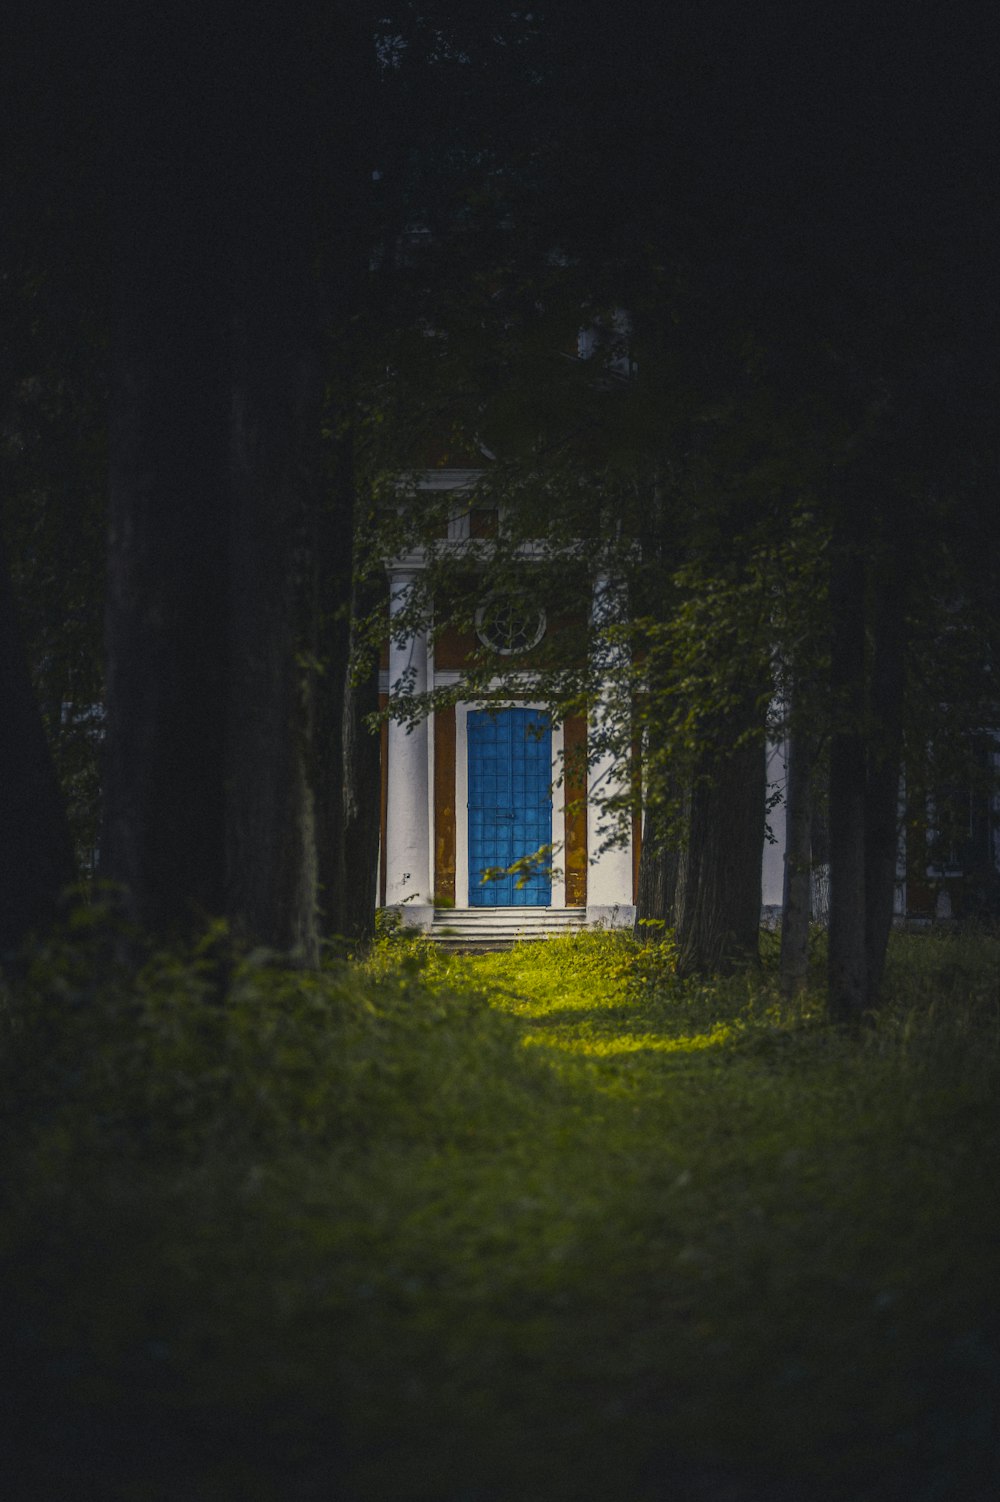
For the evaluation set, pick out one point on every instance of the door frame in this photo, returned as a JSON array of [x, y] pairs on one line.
[[558, 898]]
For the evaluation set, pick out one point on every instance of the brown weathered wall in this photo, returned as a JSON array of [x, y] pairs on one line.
[[444, 806], [575, 789]]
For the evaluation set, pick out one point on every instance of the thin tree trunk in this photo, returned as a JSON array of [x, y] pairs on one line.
[[350, 773], [658, 864], [37, 857], [659, 853], [334, 648], [361, 772], [718, 884], [795, 908], [884, 765], [361, 792], [847, 977]]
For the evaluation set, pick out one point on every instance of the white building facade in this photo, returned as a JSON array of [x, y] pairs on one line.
[[475, 786]]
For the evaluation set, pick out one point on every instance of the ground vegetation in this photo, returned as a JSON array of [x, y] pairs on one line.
[[538, 1225]]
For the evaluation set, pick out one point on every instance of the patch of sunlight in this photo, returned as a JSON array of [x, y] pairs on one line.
[[532, 1007], [632, 1042]]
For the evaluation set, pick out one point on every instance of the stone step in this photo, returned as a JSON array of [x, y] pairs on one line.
[[455, 944], [479, 929], [472, 929], [506, 925], [514, 914]]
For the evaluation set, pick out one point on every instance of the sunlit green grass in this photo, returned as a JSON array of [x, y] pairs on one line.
[[542, 1225]]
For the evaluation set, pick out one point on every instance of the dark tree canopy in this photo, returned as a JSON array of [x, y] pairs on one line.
[[343, 236]]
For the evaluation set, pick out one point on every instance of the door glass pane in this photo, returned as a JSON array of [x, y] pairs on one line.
[[510, 803]]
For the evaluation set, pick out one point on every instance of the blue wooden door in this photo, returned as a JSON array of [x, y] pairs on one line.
[[510, 803]]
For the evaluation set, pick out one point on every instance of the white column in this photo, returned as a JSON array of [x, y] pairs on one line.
[[609, 878], [407, 835]]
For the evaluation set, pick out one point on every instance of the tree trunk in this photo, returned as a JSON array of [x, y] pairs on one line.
[[847, 977], [37, 856], [334, 648], [659, 854], [277, 480], [361, 775], [658, 865], [795, 908], [270, 799], [234, 147], [718, 883], [163, 837], [350, 776], [884, 763], [361, 795]]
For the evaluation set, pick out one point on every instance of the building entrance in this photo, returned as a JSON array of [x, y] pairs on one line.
[[510, 803]]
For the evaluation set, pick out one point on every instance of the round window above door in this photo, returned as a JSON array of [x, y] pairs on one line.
[[509, 624]]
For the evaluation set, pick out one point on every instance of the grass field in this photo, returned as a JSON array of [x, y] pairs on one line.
[[528, 1227]]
